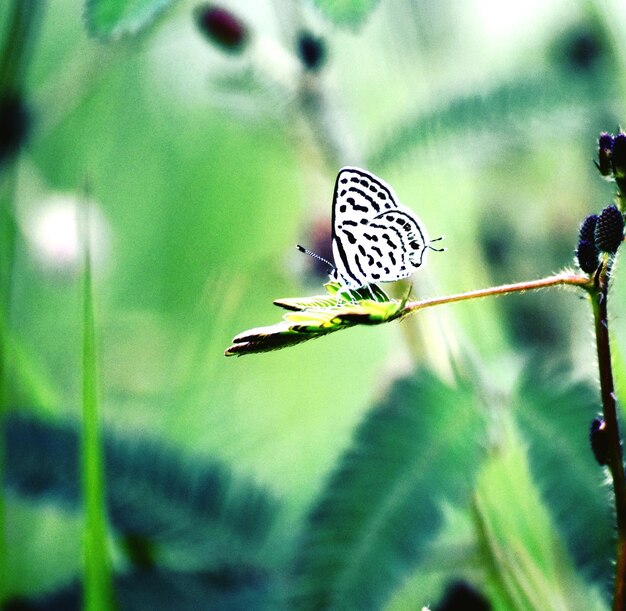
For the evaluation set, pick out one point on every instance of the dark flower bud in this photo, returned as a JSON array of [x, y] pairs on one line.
[[609, 231], [221, 27], [618, 156], [14, 125], [588, 256], [587, 231], [605, 148], [311, 51], [587, 253], [599, 441], [461, 595]]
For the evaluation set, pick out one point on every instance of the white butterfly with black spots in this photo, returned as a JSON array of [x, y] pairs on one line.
[[375, 238]]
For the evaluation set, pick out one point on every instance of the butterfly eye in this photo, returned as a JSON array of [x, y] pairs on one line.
[[415, 244]]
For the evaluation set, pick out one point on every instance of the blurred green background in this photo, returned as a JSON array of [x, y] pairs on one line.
[[205, 164]]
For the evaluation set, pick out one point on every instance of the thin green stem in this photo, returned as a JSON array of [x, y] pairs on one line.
[[599, 300], [97, 587], [503, 289]]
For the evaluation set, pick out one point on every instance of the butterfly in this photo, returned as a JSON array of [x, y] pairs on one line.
[[375, 238]]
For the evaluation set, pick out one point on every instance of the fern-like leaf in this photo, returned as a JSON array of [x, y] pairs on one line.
[[194, 511], [507, 107], [554, 413], [382, 505]]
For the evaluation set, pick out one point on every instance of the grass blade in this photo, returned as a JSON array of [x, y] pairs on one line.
[[97, 588]]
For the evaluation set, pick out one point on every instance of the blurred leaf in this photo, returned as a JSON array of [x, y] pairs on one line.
[[111, 19], [554, 413], [382, 505], [194, 511], [348, 13], [508, 106], [452, 555], [229, 589], [522, 553]]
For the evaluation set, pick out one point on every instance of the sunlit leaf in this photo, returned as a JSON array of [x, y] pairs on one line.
[[527, 564], [554, 413], [349, 13], [110, 19], [382, 504]]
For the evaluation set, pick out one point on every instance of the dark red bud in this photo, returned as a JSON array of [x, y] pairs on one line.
[[221, 27]]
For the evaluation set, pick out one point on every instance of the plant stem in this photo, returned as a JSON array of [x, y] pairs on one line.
[[503, 289], [97, 581], [615, 460]]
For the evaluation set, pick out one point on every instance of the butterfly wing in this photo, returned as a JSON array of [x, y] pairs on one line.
[[375, 238]]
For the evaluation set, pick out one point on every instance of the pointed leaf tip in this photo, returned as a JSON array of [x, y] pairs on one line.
[[311, 317]]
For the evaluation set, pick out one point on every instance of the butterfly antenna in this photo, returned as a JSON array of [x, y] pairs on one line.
[[315, 256], [436, 249]]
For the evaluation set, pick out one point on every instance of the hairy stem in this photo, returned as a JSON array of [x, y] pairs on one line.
[[615, 459], [503, 289]]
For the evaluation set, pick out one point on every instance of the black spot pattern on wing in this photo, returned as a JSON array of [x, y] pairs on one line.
[[375, 238]]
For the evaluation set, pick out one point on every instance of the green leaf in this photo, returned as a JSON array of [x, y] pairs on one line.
[[312, 317], [528, 566], [494, 112], [554, 413], [196, 508], [112, 19], [348, 13], [450, 558], [381, 507]]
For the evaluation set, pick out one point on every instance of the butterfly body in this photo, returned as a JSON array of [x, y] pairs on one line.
[[375, 238]]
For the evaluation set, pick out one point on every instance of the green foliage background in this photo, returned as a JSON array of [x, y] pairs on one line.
[[380, 464]]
